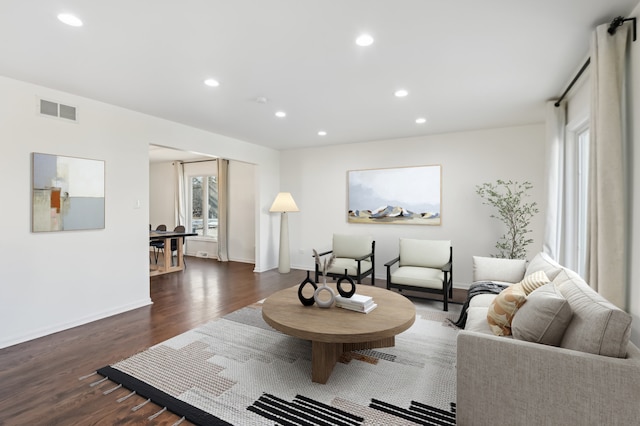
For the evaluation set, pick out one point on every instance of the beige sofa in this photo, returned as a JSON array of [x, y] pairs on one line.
[[590, 377]]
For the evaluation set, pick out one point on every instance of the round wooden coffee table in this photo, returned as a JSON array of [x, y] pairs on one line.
[[335, 330]]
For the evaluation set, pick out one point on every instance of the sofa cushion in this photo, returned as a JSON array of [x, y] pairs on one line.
[[498, 269], [503, 308], [477, 320], [597, 326], [542, 262], [533, 281], [543, 318], [482, 301]]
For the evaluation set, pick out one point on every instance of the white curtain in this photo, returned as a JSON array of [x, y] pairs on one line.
[[608, 201], [223, 209], [180, 199], [554, 218]]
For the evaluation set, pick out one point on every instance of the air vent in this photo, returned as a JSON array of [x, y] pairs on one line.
[[48, 108], [53, 109]]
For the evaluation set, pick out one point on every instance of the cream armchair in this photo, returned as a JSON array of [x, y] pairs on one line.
[[423, 265], [355, 254]]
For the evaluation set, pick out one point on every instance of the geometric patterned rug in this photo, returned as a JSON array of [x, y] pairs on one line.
[[238, 370]]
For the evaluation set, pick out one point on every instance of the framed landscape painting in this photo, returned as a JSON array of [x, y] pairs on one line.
[[404, 195]]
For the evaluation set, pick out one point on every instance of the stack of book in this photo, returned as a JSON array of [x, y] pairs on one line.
[[357, 302]]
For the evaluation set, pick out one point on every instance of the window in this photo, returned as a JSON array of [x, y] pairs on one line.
[[576, 202], [203, 193], [582, 198]]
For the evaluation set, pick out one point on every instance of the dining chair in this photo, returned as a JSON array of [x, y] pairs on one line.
[[158, 245], [174, 244]]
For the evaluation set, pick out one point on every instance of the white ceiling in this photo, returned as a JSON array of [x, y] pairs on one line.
[[467, 64]]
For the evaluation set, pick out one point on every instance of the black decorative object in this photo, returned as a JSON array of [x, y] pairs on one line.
[[307, 301], [342, 292]]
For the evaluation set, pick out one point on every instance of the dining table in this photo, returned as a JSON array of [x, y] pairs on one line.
[[167, 266]]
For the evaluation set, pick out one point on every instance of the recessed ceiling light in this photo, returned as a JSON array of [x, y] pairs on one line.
[[70, 19], [322, 133], [281, 114], [364, 40], [211, 82], [421, 120], [401, 93]]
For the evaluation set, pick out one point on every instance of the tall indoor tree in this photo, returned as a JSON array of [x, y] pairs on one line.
[[508, 197]]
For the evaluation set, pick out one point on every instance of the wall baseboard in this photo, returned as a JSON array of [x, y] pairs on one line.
[[15, 340]]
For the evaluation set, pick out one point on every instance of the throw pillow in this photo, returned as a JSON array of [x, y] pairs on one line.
[[533, 281], [544, 318], [498, 269], [503, 308], [542, 262]]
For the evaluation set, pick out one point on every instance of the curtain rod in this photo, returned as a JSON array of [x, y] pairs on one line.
[[613, 26], [575, 79], [197, 161]]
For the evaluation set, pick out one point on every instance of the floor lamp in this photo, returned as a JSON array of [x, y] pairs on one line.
[[283, 204]]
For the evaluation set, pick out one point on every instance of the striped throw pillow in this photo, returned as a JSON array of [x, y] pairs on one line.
[[533, 281]]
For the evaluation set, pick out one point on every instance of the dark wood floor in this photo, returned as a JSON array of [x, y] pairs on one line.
[[39, 380]]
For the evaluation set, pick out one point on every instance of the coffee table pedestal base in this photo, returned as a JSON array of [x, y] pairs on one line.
[[324, 356]]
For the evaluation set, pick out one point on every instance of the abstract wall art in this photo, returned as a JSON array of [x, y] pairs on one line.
[[67, 193]]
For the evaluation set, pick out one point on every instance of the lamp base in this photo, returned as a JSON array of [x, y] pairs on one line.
[[284, 262]]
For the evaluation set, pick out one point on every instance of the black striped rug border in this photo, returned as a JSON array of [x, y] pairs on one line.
[[162, 399]]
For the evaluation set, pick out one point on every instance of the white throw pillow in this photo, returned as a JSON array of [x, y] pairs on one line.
[[498, 269], [542, 262]]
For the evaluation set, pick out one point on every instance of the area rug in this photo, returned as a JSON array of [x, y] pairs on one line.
[[237, 370]]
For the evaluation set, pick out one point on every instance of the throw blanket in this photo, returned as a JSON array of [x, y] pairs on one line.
[[479, 287]]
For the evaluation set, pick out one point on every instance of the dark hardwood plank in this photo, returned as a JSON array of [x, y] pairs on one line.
[[39, 379]]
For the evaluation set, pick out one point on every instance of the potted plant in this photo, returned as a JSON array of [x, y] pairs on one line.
[[508, 197]]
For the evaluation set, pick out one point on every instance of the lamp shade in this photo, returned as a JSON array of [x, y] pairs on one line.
[[284, 203]]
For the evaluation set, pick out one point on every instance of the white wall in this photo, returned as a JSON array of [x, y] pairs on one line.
[[317, 179], [634, 119], [53, 281], [242, 207], [162, 195]]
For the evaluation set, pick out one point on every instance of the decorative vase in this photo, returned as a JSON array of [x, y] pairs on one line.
[[342, 291], [307, 301], [324, 287]]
